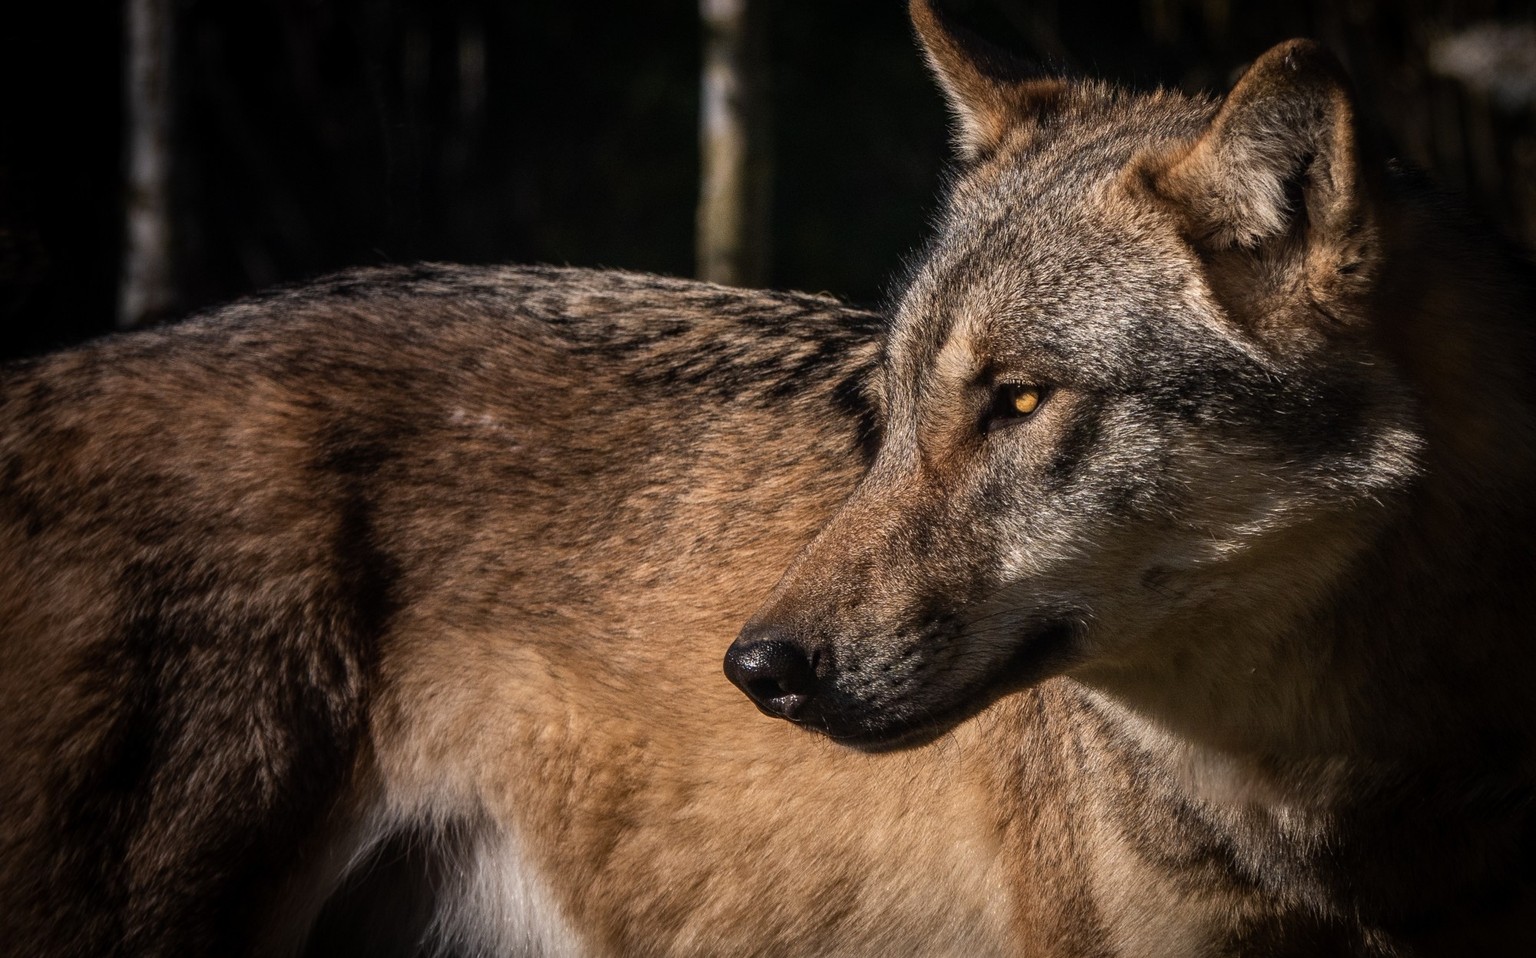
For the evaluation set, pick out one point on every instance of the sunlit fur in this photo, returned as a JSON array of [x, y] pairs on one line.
[[385, 615]]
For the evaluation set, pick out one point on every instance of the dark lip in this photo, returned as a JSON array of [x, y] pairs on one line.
[[1046, 652]]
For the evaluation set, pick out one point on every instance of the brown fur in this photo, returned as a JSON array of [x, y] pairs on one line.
[[356, 572], [384, 616]]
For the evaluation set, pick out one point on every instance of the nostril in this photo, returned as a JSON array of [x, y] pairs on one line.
[[776, 673], [762, 689]]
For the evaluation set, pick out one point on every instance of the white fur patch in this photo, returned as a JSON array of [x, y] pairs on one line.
[[492, 900], [497, 904]]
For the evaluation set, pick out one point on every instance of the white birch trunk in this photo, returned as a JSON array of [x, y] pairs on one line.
[[145, 289], [732, 238]]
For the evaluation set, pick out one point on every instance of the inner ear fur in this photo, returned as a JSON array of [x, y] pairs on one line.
[[1281, 159], [990, 91]]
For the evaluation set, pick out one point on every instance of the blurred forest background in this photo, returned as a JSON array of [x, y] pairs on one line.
[[291, 137]]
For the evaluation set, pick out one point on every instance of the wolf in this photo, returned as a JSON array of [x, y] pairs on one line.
[[1158, 582], [1207, 453]]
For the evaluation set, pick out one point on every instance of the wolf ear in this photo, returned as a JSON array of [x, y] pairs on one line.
[[989, 90], [1281, 158]]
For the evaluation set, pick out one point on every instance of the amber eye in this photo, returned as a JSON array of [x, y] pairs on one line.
[[1014, 401]]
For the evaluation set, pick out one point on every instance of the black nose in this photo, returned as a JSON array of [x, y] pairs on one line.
[[775, 672]]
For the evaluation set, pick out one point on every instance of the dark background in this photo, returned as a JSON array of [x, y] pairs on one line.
[[316, 134]]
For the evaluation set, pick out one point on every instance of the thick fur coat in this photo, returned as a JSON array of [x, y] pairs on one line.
[[1159, 582]]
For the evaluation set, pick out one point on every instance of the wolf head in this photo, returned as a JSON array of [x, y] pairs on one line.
[[1133, 402]]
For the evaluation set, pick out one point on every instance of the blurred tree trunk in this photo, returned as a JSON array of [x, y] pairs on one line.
[[145, 286], [732, 238]]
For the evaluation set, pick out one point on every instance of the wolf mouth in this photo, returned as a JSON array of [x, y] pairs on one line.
[[1043, 653]]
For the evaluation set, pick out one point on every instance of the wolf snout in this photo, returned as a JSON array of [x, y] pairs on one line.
[[777, 673]]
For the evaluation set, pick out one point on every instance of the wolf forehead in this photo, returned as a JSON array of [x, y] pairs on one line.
[[1044, 261]]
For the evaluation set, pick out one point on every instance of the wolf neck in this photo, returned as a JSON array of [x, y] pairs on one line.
[[1368, 756], [1417, 658]]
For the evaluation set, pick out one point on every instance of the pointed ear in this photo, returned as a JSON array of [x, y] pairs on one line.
[[1280, 159], [989, 90]]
